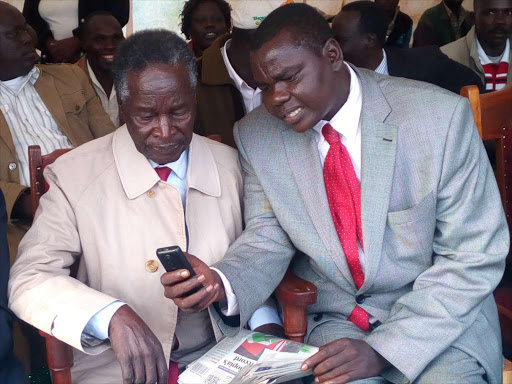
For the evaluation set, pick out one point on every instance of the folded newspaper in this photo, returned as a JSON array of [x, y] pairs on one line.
[[249, 357]]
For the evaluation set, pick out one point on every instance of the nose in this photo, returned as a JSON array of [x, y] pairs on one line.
[[280, 95], [164, 128]]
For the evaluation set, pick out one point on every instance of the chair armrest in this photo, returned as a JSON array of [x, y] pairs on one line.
[[60, 359], [295, 295]]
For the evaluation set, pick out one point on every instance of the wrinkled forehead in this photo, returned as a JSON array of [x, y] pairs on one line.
[[160, 79]]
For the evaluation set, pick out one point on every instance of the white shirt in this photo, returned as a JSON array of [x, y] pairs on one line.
[[383, 66], [29, 120], [109, 103], [252, 97], [347, 122], [61, 16]]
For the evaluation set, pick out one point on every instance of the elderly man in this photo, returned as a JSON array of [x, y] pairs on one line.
[[486, 48], [100, 37], [111, 204], [360, 29], [385, 187], [50, 106], [440, 25]]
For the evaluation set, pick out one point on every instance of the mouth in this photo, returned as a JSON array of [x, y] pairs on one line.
[[292, 115], [165, 148], [108, 58], [210, 35]]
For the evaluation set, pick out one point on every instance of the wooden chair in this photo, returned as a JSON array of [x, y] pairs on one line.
[[294, 293], [493, 118]]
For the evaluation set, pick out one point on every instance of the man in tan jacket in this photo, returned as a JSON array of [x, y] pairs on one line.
[[111, 203], [486, 48], [51, 106]]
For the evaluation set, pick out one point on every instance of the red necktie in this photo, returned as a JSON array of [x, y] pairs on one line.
[[344, 196], [163, 172]]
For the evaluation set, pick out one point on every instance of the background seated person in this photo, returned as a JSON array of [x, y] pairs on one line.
[[58, 22], [11, 371], [486, 48], [399, 31], [111, 204], [440, 25], [384, 185], [360, 29], [52, 106], [100, 37], [202, 21]]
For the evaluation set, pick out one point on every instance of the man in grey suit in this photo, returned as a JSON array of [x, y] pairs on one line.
[[383, 189]]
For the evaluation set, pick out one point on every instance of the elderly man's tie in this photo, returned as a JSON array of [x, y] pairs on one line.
[[344, 196], [163, 173]]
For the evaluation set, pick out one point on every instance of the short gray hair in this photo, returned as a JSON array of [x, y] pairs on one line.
[[152, 46]]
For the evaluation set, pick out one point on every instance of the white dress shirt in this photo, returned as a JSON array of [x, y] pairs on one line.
[[61, 16], [252, 97], [383, 66], [97, 327], [109, 103], [29, 121], [347, 122]]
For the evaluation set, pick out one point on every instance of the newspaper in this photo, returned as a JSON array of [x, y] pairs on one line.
[[249, 357]]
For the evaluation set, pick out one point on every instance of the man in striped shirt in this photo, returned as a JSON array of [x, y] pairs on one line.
[[486, 48], [51, 106]]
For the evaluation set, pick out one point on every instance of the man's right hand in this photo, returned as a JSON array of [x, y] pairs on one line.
[[137, 349], [178, 283]]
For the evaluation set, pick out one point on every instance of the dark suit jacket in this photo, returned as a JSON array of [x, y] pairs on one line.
[[430, 65], [11, 371], [120, 9], [434, 27], [401, 35]]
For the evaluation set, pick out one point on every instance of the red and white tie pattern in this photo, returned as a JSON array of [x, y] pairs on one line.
[[344, 197]]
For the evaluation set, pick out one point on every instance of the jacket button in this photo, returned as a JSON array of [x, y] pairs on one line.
[[12, 166], [151, 193], [360, 299], [151, 266]]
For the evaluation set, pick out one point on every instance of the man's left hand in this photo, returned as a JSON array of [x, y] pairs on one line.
[[345, 360]]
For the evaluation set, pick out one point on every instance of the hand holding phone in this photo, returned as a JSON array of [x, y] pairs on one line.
[[173, 259]]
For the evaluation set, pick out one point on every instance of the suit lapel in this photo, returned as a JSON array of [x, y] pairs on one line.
[[378, 141], [304, 160], [46, 89]]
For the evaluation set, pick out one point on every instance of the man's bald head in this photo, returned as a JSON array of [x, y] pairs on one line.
[[17, 52]]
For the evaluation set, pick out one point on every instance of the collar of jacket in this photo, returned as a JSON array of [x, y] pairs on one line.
[[213, 69], [138, 176]]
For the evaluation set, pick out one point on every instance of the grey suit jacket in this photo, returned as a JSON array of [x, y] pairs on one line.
[[434, 230]]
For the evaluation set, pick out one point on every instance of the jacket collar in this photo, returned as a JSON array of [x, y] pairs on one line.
[[138, 176], [213, 69]]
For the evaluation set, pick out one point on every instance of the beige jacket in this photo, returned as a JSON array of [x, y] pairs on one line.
[[107, 208], [465, 51]]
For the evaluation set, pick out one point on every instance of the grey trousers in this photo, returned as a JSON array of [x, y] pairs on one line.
[[451, 367]]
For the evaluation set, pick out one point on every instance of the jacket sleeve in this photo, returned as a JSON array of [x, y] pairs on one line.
[[41, 291], [470, 246], [11, 192], [99, 121], [34, 19], [263, 249]]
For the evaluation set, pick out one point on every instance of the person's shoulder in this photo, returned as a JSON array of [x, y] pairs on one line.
[[458, 50], [67, 75], [404, 18], [433, 13], [223, 155]]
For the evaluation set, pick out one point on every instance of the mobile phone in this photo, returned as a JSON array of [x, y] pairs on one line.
[[172, 258]]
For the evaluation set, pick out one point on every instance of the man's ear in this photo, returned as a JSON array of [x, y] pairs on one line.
[[333, 52]]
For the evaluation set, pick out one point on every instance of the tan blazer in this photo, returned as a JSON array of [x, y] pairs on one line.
[[465, 51], [107, 208], [67, 94]]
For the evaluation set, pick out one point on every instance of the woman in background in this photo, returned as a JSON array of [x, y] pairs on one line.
[[57, 24], [202, 21]]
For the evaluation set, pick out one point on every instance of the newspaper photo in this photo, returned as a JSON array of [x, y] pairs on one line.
[[249, 357]]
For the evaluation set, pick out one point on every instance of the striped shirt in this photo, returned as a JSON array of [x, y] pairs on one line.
[[29, 120], [383, 66], [495, 68]]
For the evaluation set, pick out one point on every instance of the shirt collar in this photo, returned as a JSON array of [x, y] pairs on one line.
[[383, 66], [179, 167], [239, 82], [30, 77], [346, 120], [96, 82], [484, 59]]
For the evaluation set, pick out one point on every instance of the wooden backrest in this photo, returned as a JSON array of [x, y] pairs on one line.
[[37, 163], [493, 118]]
